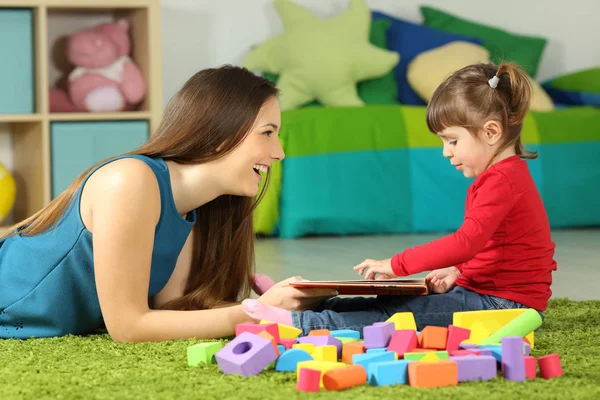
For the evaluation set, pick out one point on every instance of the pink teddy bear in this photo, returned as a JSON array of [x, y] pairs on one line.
[[105, 78]]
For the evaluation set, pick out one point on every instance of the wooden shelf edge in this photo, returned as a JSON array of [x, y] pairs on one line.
[[8, 118], [128, 115]]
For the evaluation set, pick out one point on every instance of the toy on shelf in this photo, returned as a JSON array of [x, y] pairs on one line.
[[8, 192], [105, 78], [434, 357]]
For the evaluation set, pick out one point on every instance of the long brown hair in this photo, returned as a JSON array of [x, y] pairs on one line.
[[466, 99], [206, 119]]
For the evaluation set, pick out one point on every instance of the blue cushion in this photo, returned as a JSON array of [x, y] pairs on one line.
[[409, 40], [571, 97]]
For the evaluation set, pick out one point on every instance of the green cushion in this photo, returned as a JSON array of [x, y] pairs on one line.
[[587, 80], [322, 58], [503, 45]]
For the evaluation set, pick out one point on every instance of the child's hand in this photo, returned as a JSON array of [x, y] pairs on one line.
[[381, 268], [442, 280]]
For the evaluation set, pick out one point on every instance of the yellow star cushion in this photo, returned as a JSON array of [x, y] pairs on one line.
[[321, 59]]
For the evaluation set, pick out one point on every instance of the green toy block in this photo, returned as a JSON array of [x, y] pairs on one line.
[[418, 355], [345, 340], [203, 353]]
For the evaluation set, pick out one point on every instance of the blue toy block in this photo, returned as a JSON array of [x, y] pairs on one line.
[[348, 333], [388, 373], [377, 350], [496, 352], [281, 348], [289, 359], [365, 359]]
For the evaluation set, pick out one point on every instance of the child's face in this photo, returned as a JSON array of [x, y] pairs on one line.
[[259, 149], [468, 154]]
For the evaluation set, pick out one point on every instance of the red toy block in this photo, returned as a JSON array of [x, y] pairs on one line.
[[434, 337], [255, 328], [308, 380], [530, 367], [319, 332], [403, 341], [550, 366], [455, 336], [458, 353], [288, 343]]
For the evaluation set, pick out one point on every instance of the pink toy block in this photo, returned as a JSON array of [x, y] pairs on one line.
[[247, 354], [309, 380], [255, 328], [550, 366], [461, 353], [403, 341], [288, 343], [530, 367], [513, 359], [378, 335], [455, 336]]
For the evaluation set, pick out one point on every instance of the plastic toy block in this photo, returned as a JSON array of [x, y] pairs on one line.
[[403, 341], [421, 350], [307, 347], [430, 357], [388, 373], [349, 349], [378, 335], [285, 331], [530, 367], [378, 350], [325, 353], [441, 373], [252, 327], [308, 380], [319, 332], [203, 353], [465, 319], [496, 352], [513, 359], [344, 378], [468, 346], [366, 359], [520, 326], [526, 347], [403, 321], [345, 340], [550, 366], [270, 337], [288, 343], [322, 366], [247, 354], [456, 335], [481, 330], [345, 333], [462, 353], [288, 360], [434, 337], [418, 356], [323, 341], [475, 368]]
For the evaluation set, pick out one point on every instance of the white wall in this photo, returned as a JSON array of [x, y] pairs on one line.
[[199, 34]]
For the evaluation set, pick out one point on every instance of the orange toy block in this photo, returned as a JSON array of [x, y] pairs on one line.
[[351, 348], [270, 337], [456, 335], [434, 337], [433, 374], [319, 332], [344, 378], [421, 350]]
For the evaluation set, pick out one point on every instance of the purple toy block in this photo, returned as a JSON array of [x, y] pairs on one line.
[[527, 348], [323, 341], [513, 359], [475, 368], [378, 335], [484, 352], [247, 354]]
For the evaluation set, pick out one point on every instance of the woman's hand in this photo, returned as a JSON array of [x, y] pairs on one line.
[[442, 280], [282, 295], [381, 269]]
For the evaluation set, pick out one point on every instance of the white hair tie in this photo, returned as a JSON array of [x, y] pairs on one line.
[[494, 82]]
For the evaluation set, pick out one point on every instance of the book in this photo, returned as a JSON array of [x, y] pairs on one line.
[[396, 287]]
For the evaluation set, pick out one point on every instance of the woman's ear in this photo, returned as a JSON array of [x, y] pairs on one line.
[[492, 132]]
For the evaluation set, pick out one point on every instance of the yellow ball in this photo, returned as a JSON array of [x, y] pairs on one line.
[[8, 192]]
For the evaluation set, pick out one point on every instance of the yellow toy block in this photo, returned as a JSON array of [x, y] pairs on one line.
[[285, 331], [466, 319], [307, 347], [322, 366], [430, 357], [481, 329], [403, 320], [325, 353]]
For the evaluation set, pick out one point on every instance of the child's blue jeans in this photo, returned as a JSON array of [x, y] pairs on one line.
[[357, 312]]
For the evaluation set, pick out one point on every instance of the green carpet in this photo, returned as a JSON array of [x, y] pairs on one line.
[[95, 367]]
